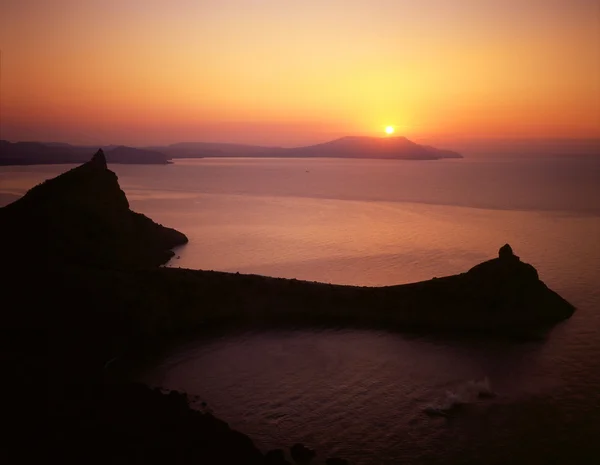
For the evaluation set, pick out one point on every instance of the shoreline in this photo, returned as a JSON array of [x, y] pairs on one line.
[[85, 287]]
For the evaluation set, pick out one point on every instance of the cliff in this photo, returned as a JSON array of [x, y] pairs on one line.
[[79, 225], [134, 424], [83, 217], [83, 288]]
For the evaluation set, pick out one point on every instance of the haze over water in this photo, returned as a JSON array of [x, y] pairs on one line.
[[362, 394]]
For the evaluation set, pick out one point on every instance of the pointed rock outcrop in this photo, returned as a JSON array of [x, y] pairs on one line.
[[99, 160], [506, 253], [83, 217]]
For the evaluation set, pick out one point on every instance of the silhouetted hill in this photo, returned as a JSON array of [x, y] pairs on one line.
[[396, 148], [33, 153], [346, 147], [130, 155], [372, 147], [215, 149], [83, 216], [83, 288], [37, 153]]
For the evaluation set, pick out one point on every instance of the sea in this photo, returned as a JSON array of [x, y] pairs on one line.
[[383, 397]]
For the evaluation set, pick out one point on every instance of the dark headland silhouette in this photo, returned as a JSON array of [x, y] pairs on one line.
[[83, 288], [396, 148], [83, 217]]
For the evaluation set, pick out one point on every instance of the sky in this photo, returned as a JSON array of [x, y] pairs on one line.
[[283, 72]]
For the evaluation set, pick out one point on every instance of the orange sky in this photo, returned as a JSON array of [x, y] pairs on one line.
[[293, 72]]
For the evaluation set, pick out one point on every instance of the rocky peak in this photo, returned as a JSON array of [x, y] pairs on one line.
[[507, 269], [505, 252], [83, 217], [98, 160]]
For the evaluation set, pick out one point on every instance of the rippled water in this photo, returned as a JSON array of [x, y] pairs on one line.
[[365, 395]]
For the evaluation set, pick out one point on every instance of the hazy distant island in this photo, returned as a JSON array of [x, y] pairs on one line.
[[85, 287], [38, 153], [391, 148]]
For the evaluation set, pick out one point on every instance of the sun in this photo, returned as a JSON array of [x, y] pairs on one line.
[[389, 130]]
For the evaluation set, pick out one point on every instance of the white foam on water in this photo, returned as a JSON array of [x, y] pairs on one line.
[[467, 393]]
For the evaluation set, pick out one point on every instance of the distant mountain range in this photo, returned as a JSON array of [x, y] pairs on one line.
[[394, 148], [38, 153]]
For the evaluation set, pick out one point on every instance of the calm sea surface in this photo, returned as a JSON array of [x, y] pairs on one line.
[[363, 395]]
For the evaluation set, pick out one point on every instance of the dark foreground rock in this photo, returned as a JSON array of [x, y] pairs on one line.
[[336, 461], [83, 288], [133, 424], [302, 455], [81, 223], [83, 217], [276, 457]]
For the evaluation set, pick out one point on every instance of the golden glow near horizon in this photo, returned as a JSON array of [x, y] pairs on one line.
[[389, 130], [291, 73]]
